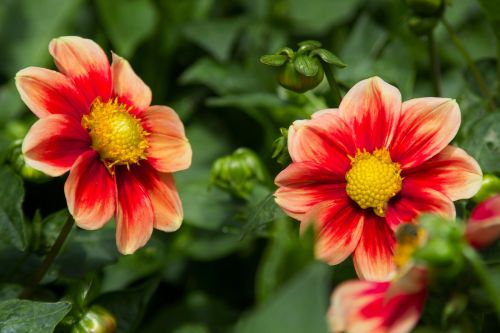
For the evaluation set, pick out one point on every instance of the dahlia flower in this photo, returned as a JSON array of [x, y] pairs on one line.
[[95, 121], [359, 171]]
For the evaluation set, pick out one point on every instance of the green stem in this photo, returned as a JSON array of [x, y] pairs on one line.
[[482, 274], [334, 87], [434, 60], [48, 261], [483, 87]]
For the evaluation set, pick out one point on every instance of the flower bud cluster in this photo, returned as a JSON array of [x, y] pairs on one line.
[[237, 173], [301, 70]]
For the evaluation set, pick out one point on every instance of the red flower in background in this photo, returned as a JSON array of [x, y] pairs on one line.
[[396, 306], [359, 171], [483, 227], [96, 121]]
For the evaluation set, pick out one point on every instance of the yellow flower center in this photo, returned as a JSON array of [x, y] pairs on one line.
[[409, 237], [373, 180], [117, 135]]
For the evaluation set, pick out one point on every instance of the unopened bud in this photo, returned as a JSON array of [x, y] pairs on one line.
[[237, 173], [96, 320]]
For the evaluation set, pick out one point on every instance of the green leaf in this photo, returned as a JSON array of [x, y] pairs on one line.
[[215, 36], [12, 229], [328, 57], [286, 254], [483, 142], [128, 23], [22, 316], [128, 306], [306, 65], [275, 60], [491, 8], [309, 17], [27, 28], [145, 262], [300, 306], [10, 101], [206, 245], [223, 79]]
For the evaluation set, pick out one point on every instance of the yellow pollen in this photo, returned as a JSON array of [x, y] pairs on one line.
[[373, 180], [117, 135], [409, 237]]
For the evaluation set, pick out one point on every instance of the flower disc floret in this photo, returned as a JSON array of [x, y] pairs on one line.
[[373, 180], [116, 134]]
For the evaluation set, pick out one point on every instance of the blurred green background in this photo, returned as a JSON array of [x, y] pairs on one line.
[[237, 264]]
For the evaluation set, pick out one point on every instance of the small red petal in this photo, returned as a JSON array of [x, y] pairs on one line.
[[426, 127], [326, 139], [134, 212], [483, 227], [169, 150], [90, 192], [372, 108], [128, 86], [54, 143], [452, 172], [48, 92], [338, 227], [373, 255], [161, 189], [84, 62], [303, 185]]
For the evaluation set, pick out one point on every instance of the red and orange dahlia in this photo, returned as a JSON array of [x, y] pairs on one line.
[[96, 121], [359, 171]]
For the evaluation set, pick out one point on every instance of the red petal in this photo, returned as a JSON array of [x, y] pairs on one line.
[[426, 127], [169, 150], [414, 200], [90, 192], [128, 86], [166, 203], [325, 139], [134, 212], [48, 92], [373, 307], [452, 172], [483, 227], [338, 228], [54, 143], [83, 61], [303, 185], [372, 110], [373, 255]]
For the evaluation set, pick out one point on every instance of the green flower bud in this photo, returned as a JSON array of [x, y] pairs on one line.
[[426, 7], [16, 159], [238, 172], [96, 320], [302, 70], [421, 26], [489, 187], [290, 78]]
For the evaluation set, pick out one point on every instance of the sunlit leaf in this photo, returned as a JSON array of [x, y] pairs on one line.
[[25, 316], [298, 307]]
